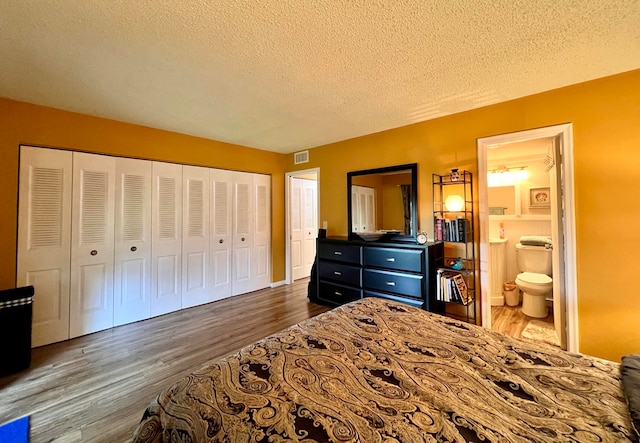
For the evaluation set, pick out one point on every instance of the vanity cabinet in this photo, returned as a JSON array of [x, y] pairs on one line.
[[349, 270]]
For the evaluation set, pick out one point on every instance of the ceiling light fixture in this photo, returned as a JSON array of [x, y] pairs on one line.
[[503, 176]]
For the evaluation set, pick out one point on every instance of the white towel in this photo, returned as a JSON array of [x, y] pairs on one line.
[[535, 240]]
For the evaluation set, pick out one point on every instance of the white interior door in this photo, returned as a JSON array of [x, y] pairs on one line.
[[132, 273], [243, 227], [195, 237], [310, 224], [355, 209], [261, 253], [92, 244], [166, 232], [221, 235], [44, 239], [298, 239], [370, 209], [557, 234]]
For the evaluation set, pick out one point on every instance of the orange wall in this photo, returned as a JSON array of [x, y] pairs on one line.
[[605, 114], [23, 123]]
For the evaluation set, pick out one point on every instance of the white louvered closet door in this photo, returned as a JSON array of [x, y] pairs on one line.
[[44, 239], [261, 256], [196, 280], [92, 244], [296, 219], [221, 232], [166, 232], [243, 227], [132, 272], [310, 219]]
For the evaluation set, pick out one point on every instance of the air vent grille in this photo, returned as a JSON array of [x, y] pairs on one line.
[[301, 157]]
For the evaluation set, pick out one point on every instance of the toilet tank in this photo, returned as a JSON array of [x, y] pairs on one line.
[[533, 259]]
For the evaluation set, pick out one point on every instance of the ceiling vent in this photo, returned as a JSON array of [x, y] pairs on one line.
[[301, 157]]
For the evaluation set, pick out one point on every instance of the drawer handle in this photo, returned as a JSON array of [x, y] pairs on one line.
[[337, 273], [337, 253], [391, 259], [391, 283], [337, 293]]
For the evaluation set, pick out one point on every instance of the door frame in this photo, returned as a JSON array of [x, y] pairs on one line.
[[287, 197], [563, 133]]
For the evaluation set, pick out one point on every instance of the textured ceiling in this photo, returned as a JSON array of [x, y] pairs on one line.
[[285, 75]]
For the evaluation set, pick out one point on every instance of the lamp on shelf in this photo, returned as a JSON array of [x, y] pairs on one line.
[[454, 203]]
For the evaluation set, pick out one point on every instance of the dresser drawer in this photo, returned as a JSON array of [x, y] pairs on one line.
[[415, 302], [390, 258], [396, 282], [343, 252], [338, 294], [346, 274]]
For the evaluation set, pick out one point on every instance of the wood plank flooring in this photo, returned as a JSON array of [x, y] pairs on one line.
[[511, 321], [95, 388]]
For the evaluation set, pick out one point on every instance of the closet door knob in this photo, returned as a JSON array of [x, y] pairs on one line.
[[94, 252], [221, 241], [242, 238], [133, 249]]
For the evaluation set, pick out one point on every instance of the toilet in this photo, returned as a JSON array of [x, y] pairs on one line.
[[534, 281]]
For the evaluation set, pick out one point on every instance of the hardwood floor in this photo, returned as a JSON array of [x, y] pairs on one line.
[[511, 321], [95, 388]]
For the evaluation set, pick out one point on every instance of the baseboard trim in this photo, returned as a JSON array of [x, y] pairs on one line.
[[278, 283]]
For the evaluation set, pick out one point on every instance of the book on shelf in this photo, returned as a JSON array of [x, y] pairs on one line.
[[463, 290], [452, 287], [452, 230], [461, 229]]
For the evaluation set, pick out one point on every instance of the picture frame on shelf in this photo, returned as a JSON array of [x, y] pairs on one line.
[[540, 197]]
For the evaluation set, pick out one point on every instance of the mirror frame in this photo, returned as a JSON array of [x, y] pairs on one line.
[[411, 167]]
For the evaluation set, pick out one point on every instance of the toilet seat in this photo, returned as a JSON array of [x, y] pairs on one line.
[[534, 278]]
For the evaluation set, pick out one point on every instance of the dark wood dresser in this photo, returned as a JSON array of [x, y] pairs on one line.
[[349, 270]]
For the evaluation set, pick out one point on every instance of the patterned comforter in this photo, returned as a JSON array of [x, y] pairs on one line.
[[379, 371]]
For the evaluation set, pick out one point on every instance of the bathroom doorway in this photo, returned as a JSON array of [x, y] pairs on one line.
[[545, 158]]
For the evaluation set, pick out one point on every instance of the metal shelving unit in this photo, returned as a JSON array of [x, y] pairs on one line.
[[454, 225]]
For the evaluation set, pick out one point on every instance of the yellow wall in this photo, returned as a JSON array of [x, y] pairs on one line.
[[605, 114], [23, 123]]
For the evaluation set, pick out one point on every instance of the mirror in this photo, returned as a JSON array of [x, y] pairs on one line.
[[382, 203], [502, 200]]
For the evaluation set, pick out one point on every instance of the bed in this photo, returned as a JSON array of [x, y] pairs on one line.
[[375, 370]]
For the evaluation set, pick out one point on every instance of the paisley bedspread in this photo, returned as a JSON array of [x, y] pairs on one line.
[[380, 371]]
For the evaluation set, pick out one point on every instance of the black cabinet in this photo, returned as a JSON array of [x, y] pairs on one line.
[[348, 270]]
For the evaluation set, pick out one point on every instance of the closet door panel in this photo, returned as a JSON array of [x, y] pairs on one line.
[[166, 233], [221, 232], [132, 273], [44, 239], [92, 244], [243, 228], [261, 259], [196, 278]]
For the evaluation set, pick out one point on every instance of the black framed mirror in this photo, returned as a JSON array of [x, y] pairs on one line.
[[382, 203]]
